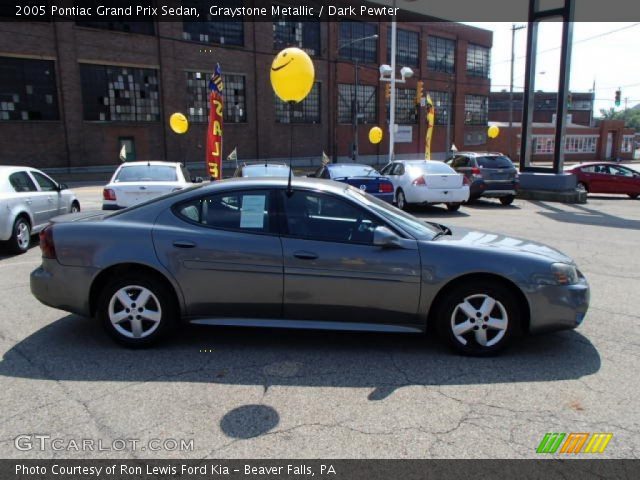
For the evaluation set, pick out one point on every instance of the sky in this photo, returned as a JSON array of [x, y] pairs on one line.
[[604, 52]]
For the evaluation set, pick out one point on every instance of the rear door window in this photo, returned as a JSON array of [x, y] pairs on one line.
[[21, 182], [494, 162]]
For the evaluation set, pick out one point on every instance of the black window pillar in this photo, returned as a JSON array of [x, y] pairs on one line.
[[536, 15]]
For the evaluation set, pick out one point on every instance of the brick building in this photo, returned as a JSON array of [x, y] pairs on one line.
[[72, 93]]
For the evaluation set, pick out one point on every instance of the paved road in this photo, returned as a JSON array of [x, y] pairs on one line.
[[250, 393]]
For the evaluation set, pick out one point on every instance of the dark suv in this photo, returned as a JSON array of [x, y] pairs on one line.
[[490, 174]]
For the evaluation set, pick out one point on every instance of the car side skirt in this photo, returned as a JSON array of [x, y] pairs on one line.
[[306, 325]]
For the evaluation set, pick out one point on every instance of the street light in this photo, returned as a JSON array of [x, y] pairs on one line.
[[354, 103], [387, 74]]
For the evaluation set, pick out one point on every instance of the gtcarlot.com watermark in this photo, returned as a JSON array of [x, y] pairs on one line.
[[44, 443]]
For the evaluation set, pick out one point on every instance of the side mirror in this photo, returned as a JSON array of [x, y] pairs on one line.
[[62, 186], [196, 179], [385, 238]]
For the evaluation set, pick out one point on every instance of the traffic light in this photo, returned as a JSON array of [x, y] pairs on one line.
[[419, 88], [387, 91], [618, 95]]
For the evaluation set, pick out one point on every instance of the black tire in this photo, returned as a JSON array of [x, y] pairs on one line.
[[453, 207], [75, 207], [633, 196], [581, 186], [17, 243], [163, 306], [508, 200], [401, 200], [449, 313]]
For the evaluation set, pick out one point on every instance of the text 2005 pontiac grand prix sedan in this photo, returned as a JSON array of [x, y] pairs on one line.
[[316, 254]]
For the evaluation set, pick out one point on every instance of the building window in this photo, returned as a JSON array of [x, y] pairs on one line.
[[543, 144], [406, 112], [146, 28], [627, 144], [127, 149], [28, 89], [306, 111], [119, 94], [367, 103], [442, 103], [441, 54], [233, 94], [476, 110], [208, 30], [304, 35], [478, 61], [475, 138], [365, 51], [407, 48], [580, 143]]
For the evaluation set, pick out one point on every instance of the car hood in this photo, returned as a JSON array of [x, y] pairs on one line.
[[490, 240]]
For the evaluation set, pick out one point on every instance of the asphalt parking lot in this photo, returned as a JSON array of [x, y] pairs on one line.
[[284, 394]]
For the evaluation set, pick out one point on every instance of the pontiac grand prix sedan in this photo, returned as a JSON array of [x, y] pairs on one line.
[[315, 254]]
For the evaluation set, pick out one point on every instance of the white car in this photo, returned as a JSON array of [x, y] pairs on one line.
[[262, 170], [426, 182], [137, 182], [28, 200]]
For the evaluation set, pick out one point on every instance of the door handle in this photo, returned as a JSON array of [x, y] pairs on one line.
[[183, 244], [305, 255]]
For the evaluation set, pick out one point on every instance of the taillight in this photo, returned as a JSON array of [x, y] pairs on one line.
[[46, 242], [465, 180], [476, 171], [108, 194], [385, 187], [419, 182]]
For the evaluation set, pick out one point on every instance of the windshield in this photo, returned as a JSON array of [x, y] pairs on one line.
[[414, 226], [265, 171], [432, 168], [338, 171], [147, 173], [494, 162]]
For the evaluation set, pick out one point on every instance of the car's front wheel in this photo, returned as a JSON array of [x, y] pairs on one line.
[[75, 207], [633, 196], [137, 310], [401, 200], [507, 200], [478, 318]]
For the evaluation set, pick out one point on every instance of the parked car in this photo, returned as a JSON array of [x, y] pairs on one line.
[[364, 177], [136, 182], [262, 170], [426, 182], [316, 254], [29, 198], [491, 175], [606, 177]]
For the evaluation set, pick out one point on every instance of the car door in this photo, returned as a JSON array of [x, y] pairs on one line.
[[332, 270], [601, 181], [49, 189], [626, 180], [225, 252]]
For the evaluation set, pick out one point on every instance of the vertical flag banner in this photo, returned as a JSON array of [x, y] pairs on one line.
[[214, 130], [431, 117]]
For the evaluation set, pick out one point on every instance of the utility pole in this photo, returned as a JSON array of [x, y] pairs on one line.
[[449, 102], [392, 100], [514, 28]]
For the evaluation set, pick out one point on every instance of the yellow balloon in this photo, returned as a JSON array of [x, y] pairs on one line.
[[375, 135], [493, 131], [178, 123], [292, 75]]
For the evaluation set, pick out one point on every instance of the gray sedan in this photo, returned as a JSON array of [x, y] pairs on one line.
[[316, 254]]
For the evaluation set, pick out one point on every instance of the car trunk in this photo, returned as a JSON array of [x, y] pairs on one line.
[[443, 181], [497, 169], [131, 194], [367, 184]]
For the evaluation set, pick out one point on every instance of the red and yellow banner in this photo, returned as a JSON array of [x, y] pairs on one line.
[[216, 121], [431, 117]]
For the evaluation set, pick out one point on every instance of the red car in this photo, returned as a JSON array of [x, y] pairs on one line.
[[606, 177]]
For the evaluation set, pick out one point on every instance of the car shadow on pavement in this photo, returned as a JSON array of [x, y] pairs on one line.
[[436, 210], [77, 349], [585, 216], [489, 205]]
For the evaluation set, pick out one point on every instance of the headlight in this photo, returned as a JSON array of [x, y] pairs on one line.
[[565, 274]]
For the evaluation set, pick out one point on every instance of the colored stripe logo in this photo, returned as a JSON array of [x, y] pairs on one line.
[[574, 443]]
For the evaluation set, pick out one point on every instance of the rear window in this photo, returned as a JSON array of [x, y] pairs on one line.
[[494, 162], [433, 167], [338, 171], [147, 173]]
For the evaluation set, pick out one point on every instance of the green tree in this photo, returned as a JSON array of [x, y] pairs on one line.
[[631, 117]]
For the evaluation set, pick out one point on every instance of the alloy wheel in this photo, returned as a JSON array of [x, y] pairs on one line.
[[23, 235], [134, 311], [479, 317]]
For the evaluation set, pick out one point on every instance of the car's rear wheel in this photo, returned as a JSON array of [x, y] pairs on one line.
[[20, 236], [633, 196], [137, 310], [453, 207], [401, 200], [478, 318], [507, 200], [582, 187]]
